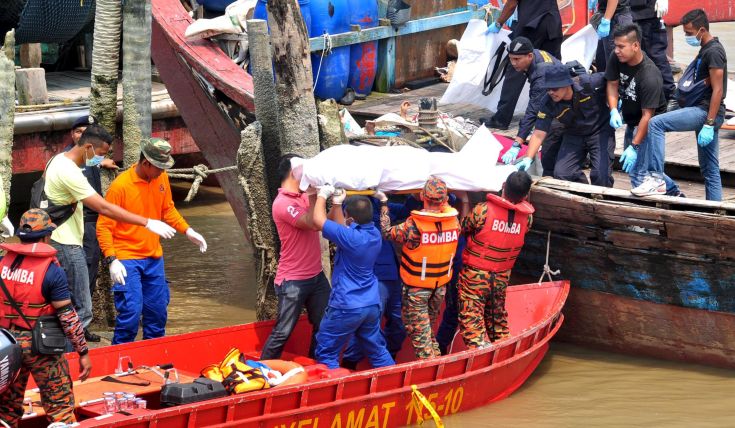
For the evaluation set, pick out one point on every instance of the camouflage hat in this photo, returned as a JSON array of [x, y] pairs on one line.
[[35, 223], [435, 189], [158, 152]]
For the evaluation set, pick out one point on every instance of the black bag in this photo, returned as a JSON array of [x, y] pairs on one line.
[[48, 337], [689, 91], [58, 213]]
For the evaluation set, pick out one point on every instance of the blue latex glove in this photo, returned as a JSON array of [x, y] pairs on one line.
[[629, 158], [592, 5], [706, 135], [511, 154], [616, 121], [603, 30], [524, 164], [493, 28]]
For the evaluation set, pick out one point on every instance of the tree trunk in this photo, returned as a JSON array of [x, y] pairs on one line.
[[136, 77], [331, 131], [292, 60], [103, 105], [7, 113], [253, 179]]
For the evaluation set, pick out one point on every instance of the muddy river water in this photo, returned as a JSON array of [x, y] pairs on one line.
[[573, 386]]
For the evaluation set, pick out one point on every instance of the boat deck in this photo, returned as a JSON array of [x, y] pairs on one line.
[[75, 86], [681, 153]]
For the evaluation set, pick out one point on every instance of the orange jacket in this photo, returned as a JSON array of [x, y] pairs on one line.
[[495, 248], [430, 264], [150, 200]]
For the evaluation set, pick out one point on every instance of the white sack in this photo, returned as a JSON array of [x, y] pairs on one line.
[[475, 53], [581, 46], [406, 168]]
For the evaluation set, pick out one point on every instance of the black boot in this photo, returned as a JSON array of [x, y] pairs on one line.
[[350, 365], [91, 337]]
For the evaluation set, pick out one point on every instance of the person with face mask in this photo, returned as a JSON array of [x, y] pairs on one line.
[[65, 184], [635, 81], [701, 95]]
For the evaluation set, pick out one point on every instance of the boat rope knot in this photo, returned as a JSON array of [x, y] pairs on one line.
[[547, 269], [419, 403], [198, 173]]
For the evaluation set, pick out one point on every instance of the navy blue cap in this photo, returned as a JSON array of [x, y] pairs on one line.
[[520, 46], [84, 121], [556, 76]]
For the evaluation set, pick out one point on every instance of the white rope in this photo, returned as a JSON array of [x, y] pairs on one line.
[[326, 51], [197, 173], [547, 269]]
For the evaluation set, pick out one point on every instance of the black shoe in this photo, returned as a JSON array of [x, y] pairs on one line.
[[677, 194], [493, 123], [350, 365], [91, 337]]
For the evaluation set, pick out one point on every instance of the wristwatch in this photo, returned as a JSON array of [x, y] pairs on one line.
[[709, 122], [108, 260], [635, 146]]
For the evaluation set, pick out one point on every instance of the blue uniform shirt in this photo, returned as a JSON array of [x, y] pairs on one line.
[[354, 284], [535, 76]]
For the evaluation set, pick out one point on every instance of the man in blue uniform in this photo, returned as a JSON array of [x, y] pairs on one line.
[[354, 303], [530, 62], [540, 22], [580, 106]]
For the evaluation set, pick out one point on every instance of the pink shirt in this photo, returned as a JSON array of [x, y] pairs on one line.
[[301, 254]]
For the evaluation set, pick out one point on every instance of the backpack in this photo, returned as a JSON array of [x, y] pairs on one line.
[[58, 213], [689, 92]]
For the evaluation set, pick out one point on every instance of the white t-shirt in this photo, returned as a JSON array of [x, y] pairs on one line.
[[66, 184]]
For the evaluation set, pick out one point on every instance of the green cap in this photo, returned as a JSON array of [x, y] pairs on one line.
[[158, 152]]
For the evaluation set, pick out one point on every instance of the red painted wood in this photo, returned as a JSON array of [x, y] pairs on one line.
[[32, 151], [379, 397], [631, 326]]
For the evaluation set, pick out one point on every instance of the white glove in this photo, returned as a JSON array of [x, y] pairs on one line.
[[8, 226], [380, 196], [325, 191], [160, 228], [662, 7], [339, 196], [196, 239], [118, 272]]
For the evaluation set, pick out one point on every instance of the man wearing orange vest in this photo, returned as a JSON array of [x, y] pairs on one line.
[[35, 284], [495, 232], [429, 239]]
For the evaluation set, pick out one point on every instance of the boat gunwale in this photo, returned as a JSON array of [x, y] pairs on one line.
[[553, 318]]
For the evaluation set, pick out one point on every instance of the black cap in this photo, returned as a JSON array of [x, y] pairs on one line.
[[84, 121], [556, 76], [520, 46]]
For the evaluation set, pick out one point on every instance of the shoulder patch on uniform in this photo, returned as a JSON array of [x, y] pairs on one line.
[[541, 115]]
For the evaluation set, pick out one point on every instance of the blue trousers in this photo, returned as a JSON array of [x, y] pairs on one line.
[[450, 318], [574, 149], [74, 263], [292, 297], [145, 294], [394, 331], [338, 325]]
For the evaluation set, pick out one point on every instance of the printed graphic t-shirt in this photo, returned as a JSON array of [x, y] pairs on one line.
[[640, 87]]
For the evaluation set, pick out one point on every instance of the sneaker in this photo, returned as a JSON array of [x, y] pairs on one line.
[[650, 186], [91, 337], [491, 122]]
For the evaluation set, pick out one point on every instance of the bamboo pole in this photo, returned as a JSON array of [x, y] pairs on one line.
[[254, 181], [7, 112], [136, 47]]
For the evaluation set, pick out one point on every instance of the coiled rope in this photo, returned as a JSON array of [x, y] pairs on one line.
[[197, 173]]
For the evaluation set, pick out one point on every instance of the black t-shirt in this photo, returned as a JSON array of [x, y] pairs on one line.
[[713, 56], [640, 87], [622, 5], [643, 9]]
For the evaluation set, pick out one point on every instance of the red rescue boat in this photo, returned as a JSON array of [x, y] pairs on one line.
[[463, 380]]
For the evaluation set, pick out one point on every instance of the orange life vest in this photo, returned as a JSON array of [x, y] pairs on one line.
[[24, 280], [429, 265], [497, 245]]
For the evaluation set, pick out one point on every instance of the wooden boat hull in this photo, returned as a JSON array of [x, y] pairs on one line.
[[651, 276], [381, 397]]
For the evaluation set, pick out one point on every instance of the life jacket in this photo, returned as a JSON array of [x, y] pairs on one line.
[[429, 265], [497, 245], [22, 270], [237, 376]]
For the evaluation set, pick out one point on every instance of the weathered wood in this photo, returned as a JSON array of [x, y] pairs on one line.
[[30, 55], [136, 46], [292, 60], [7, 114], [253, 179], [31, 86], [331, 131], [266, 105]]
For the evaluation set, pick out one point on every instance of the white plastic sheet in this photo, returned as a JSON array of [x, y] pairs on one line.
[[581, 46], [406, 168], [475, 53]]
